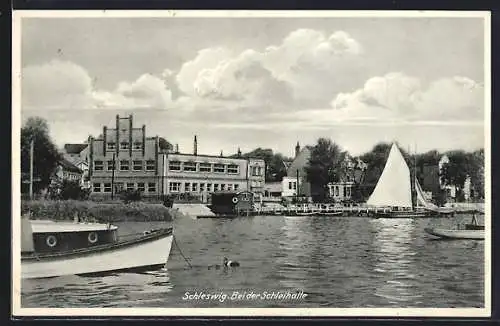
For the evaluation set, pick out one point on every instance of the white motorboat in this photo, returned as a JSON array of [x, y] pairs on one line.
[[50, 249]]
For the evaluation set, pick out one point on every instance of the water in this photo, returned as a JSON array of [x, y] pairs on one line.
[[337, 262]]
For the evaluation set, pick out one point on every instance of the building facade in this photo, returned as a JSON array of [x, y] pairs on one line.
[[124, 158], [201, 175]]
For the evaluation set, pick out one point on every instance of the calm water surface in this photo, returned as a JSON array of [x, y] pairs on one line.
[[338, 262]]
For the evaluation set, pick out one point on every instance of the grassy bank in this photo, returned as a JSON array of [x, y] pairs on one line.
[[101, 211]]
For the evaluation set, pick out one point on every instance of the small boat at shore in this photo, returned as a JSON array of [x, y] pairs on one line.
[[51, 249], [472, 231]]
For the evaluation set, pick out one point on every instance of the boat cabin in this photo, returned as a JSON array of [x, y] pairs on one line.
[[237, 203], [52, 237]]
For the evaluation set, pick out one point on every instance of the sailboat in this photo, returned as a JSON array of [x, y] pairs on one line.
[[393, 192]]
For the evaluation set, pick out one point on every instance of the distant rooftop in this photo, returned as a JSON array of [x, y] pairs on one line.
[[67, 165], [74, 148]]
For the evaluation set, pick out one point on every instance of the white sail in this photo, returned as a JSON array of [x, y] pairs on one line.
[[421, 201], [394, 185]]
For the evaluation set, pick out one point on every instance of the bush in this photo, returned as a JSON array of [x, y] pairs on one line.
[[130, 195], [102, 212]]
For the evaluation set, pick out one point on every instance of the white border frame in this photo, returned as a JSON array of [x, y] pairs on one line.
[[17, 310]]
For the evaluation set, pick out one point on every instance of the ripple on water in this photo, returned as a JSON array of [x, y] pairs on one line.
[[341, 262]]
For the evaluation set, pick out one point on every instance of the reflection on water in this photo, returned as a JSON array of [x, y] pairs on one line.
[[394, 256], [338, 261]]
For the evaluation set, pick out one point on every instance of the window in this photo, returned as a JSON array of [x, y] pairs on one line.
[[236, 187], [111, 146], [174, 166], [202, 187], [205, 167], [229, 187], [295, 185], [150, 165], [107, 187], [190, 166], [174, 186], [98, 165], [289, 185], [110, 165], [219, 168], [118, 186], [209, 187], [124, 145], [124, 165], [348, 192], [194, 187], [256, 171], [151, 187], [336, 191], [130, 186], [216, 187], [141, 187], [233, 169], [137, 165], [96, 187], [187, 187], [222, 187], [137, 145]]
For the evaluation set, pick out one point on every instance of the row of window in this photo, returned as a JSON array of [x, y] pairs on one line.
[[292, 185], [336, 191], [124, 145], [201, 187], [140, 186], [126, 165], [203, 167]]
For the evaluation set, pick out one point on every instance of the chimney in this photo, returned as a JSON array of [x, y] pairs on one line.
[[239, 152], [177, 148], [195, 150], [297, 149], [221, 154]]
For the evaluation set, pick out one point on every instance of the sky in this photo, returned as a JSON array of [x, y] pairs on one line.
[[260, 81]]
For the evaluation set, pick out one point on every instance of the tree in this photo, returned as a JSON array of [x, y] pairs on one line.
[[164, 144], [275, 169], [45, 156], [323, 167], [455, 172]]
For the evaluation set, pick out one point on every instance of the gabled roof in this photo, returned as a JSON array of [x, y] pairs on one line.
[[74, 148], [68, 166]]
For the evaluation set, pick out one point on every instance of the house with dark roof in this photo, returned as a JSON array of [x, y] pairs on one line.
[[66, 170]]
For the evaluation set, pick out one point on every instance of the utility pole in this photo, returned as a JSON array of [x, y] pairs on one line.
[[298, 188], [113, 178], [32, 147]]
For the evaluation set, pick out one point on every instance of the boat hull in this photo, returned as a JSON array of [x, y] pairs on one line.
[[152, 251], [401, 214], [456, 234]]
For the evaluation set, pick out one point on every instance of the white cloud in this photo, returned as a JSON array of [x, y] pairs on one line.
[[66, 85], [399, 97], [297, 69], [56, 84]]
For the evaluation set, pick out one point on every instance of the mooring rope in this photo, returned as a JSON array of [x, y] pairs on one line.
[[180, 251]]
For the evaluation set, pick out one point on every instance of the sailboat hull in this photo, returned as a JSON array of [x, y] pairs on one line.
[[456, 234], [150, 251]]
